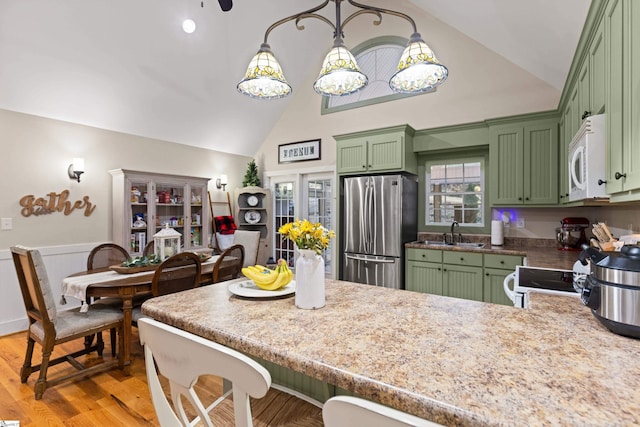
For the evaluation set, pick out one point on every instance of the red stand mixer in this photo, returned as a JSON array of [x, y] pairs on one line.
[[571, 234]]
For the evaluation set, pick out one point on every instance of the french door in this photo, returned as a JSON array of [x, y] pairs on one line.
[[304, 196]]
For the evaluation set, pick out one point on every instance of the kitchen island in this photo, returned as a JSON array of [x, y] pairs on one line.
[[453, 361]]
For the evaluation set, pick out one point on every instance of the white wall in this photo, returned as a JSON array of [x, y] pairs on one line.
[[36, 155], [38, 151]]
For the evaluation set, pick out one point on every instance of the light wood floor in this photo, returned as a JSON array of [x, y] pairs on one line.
[[108, 399], [115, 399]]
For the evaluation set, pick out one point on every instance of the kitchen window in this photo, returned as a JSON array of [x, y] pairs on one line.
[[455, 192], [378, 60]]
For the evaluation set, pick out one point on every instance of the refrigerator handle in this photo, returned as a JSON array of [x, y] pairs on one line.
[[365, 216], [370, 223], [379, 261]]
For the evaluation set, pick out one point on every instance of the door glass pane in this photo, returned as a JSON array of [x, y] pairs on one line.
[[319, 210], [284, 213]]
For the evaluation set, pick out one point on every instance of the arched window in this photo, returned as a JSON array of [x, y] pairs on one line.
[[378, 59]]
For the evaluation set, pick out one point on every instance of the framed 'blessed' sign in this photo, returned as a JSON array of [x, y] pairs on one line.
[[299, 151]]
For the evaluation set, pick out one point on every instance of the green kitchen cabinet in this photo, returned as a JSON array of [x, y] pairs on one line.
[[493, 286], [524, 163], [496, 268], [622, 58], [597, 70], [462, 281], [462, 274], [424, 277], [423, 270], [381, 150], [459, 274]]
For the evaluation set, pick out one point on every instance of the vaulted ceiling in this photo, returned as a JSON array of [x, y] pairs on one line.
[[128, 66]]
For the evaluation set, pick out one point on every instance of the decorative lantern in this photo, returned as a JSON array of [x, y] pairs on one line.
[[166, 242]]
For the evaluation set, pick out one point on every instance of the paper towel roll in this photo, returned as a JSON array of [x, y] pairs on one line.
[[497, 233]]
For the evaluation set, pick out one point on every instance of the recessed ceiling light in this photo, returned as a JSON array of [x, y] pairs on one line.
[[188, 26]]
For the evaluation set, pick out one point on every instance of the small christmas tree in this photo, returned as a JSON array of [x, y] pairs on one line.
[[251, 177]]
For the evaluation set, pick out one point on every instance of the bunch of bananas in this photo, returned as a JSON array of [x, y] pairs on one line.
[[267, 279]]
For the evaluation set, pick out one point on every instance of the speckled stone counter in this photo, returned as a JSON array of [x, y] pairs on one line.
[[539, 252], [453, 361]]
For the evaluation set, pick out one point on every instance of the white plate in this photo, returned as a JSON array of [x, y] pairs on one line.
[[252, 217], [250, 290], [252, 201]]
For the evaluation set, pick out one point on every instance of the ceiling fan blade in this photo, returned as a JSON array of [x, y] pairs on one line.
[[226, 5]]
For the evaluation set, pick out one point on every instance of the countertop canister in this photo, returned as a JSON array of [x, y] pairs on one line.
[[497, 233]]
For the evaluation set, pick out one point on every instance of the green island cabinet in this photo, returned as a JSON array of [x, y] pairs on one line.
[[468, 275], [622, 58], [380, 150], [524, 163]]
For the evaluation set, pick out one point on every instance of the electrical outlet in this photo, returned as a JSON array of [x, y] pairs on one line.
[[6, 223], [520, 223]]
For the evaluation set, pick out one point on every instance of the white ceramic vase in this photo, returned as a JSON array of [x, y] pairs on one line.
[[309, 280]]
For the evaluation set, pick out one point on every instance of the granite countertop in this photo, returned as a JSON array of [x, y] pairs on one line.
[[539, 252], [453, 361]]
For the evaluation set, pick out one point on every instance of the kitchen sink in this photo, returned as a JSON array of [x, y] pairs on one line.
[[459, 244]]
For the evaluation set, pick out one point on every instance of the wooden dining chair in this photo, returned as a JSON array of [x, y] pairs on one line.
[[106, 255], [250, 241], [229, 264], [177, 273], [349, 411], [103, 256], [149, 248], [182, 358], [50, 327]]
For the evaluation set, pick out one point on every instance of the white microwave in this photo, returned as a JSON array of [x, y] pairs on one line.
[[587, 160]]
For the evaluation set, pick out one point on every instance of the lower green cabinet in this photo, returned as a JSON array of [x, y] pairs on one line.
[[468, 275], [424, 277], [493, 286], [462, 281]]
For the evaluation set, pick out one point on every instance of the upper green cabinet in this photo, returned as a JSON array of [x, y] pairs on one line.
[[622, 35], [381, 150], [524, 163]]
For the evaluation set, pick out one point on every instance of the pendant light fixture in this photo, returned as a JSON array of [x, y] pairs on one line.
[[418, 70]]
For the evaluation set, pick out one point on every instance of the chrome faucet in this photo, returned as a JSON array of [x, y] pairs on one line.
[[453, 236]]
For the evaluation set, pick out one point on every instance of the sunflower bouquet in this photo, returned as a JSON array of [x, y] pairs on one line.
[[307, 235]]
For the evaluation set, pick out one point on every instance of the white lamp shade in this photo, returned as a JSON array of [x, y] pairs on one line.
[[264, 78], [78, 164], [340, 74], [418, 70]]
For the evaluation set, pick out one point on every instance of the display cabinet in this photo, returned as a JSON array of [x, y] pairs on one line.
[[253, 212], [144, 203]]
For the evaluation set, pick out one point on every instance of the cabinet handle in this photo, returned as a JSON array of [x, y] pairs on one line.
[[519, 198], [369, 165], [619, 175], [526, 198], [562, 196], [501, 262], [424, 256], [444, 269], [364, 166], [486, 274], [439, 269], [461, 259], [600, 182], [586, 114]]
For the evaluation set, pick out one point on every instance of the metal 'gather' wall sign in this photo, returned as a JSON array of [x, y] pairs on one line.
[[54, 202]]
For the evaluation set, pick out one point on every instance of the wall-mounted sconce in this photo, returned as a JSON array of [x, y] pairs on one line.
[[221, 183], [76, 168]]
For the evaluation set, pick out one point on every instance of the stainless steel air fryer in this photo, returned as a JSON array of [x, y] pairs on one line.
[[612, 290]]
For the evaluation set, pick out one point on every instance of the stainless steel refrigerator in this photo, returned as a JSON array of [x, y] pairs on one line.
[[379, 215]]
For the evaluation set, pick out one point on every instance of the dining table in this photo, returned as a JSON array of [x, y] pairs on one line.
[[449, 360], [106, 283]]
